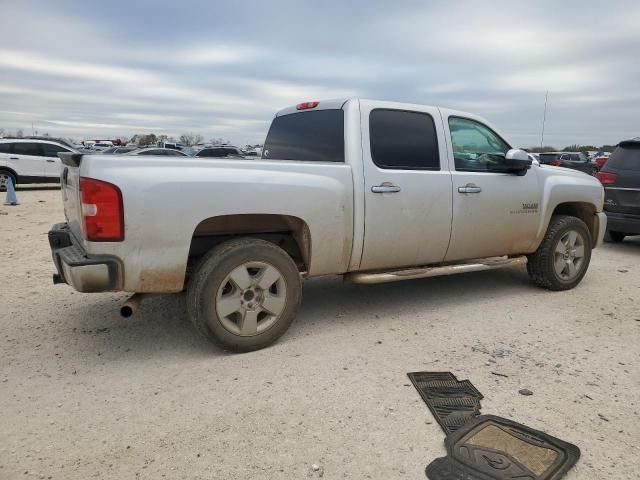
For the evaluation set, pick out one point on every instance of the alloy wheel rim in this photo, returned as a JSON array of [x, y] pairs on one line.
[[569, 255], [251, 298], [4, 180]]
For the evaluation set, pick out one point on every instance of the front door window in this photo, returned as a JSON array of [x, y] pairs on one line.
[[476, 148]]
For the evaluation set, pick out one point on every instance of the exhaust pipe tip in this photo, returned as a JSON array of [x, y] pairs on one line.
[[129, 307]]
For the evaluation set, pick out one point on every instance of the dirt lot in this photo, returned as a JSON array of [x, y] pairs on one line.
[[87, 394]]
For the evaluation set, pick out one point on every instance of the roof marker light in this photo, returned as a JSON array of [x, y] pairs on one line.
[[307, 105]]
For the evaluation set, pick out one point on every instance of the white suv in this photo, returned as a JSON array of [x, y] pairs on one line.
[[25, 160]]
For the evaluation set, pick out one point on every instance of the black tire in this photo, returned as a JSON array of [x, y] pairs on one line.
[[541, 263], [211, 277], [616, 237], [3, 188]]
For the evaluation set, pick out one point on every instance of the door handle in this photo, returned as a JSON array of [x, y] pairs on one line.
[[51, 161], [469, 188], [14, 158], [386, 187]]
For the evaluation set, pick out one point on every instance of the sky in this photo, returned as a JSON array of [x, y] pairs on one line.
[[86, 69]]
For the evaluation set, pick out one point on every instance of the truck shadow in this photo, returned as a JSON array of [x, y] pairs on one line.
[[161, 328], [330, 299]]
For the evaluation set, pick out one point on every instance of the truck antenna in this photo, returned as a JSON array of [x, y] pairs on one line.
[[544, 118]]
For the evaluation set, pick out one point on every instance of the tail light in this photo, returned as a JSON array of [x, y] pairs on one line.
[[307, 105], [102, 211], [607, 178], [555, 163]]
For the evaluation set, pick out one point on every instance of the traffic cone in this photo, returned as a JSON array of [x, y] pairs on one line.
[[11, 198]]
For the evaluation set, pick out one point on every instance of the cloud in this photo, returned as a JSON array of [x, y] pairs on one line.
[[564, 78], [220, 69], [212, 54]]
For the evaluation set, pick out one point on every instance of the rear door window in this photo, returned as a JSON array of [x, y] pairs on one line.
[[27, 148], [312, 136], [403, 140], [5, 148]]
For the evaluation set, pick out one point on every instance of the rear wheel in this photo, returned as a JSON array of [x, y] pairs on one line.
[[4, 180], [616, 237], [563, 257], [244, 294]]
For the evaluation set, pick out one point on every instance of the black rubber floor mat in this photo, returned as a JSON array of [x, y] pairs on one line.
[[452, 402], [494, 448]]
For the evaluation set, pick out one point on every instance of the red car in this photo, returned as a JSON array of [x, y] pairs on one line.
[[600, 161]]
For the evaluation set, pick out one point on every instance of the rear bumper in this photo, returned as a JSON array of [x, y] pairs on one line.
[[85, 273], [623, 222]]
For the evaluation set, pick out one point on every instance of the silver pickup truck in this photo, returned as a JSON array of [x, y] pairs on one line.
[[374, 191]]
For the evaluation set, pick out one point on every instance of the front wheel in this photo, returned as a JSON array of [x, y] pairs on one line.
[[563, 257], [244, 294]]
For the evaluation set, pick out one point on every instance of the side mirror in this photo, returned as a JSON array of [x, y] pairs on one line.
[[517, 161]]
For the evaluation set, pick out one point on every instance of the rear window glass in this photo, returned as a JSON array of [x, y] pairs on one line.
[[52, 150], [624, 158], [403, 140], [212, 152], [5, 148], [316, 136]]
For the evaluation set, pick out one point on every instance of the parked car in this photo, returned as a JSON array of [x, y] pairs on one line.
[[166, 152], [219, 152], [574, 160], [30, 161], [548, 158], [600, 161], [100, 147], [118, 150], [620, 177], [374, 191]]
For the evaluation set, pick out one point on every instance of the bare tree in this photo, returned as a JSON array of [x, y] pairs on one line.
[[186, 139], [150, 139], [19, 134], [190, 139]]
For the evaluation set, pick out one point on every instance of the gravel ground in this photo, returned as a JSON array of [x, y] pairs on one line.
[[87, 394]]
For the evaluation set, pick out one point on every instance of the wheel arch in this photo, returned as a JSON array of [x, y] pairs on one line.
[[288, 232], [584, 210], [11, 171]]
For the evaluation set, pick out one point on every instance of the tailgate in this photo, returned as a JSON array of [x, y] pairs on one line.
[[622, 199], [70, 189], [623, 195]]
